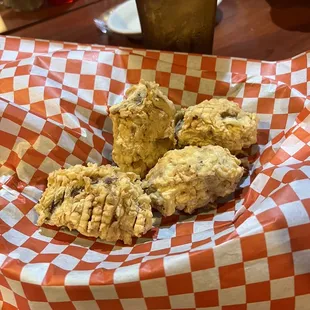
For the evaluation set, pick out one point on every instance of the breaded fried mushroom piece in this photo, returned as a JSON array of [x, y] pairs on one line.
[[217, 122], [192, 177], [143, 128], [97, 202]]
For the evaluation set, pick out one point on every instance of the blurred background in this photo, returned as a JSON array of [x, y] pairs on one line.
[[264, 29]]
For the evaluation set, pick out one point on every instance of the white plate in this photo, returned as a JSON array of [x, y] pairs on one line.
[[124, 19]]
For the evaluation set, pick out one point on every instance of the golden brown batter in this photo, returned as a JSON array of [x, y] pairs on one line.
[[96, 201], [217, 122], [191, 178], [143, 128]]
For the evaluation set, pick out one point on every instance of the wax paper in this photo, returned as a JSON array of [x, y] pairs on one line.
[[252, 252]]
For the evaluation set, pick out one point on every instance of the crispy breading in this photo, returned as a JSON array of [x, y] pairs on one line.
[[217, 122], [96, 201], [143, 128], [192, 177]]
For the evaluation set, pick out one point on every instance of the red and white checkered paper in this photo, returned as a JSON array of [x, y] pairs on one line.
[[253, 252]]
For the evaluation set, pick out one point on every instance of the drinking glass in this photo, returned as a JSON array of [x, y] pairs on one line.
[[178, 25], [23, 5]]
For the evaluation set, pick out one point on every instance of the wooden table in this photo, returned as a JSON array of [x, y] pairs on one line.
[[258, 29]]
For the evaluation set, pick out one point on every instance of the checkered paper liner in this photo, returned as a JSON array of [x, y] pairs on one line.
[[253, 252]]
